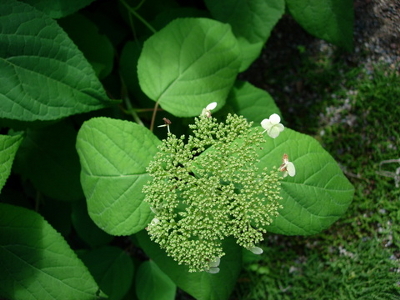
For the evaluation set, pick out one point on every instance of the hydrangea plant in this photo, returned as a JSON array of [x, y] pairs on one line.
[[198, 200], [192, 197]]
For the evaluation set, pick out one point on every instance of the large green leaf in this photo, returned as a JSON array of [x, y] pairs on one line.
[[317, 195], [201, 285], [189, 64], [153, 284], [58, 8], [8, 148], [36, 262], [330, 20], [112, 268], [250, 102], [48, 158], [114, 155], [251, 21], [43, 74]]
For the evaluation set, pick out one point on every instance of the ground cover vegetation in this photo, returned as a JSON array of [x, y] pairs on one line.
[[350, 117], [135, 164]]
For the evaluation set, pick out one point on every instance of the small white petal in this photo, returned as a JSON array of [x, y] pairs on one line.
[[256, 250], [280, 127], [291, 169], [275, 119], [215, 262], [266, 124], [213, 270], [211, 106], [155, 221], [274, 131]]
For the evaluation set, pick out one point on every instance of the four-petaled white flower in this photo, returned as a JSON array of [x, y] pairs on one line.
[[287, 167], [272, 126], [207, 111]]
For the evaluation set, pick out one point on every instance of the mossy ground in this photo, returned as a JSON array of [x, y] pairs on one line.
[[354, 112]]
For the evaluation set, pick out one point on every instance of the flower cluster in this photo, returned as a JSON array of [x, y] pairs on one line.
[[208, 188]]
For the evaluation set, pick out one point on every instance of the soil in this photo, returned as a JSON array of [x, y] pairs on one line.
[[376, 40]]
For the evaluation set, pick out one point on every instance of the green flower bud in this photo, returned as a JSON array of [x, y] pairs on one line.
[[210, 188]]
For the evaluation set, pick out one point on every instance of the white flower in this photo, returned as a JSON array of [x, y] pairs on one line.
[[256, 250], [207, 111], [287, 167], [272, 126], [154, 222]]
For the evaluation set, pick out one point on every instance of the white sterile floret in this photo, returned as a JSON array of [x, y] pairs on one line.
[[154, 222], [256, 250], [214, 266], [207, 111], [287, 167], [272, 126]]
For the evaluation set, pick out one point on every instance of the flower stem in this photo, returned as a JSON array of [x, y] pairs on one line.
[[139, 17]]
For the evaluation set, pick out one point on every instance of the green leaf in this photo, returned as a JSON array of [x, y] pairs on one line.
[[252, 103], [153, 284], [43, 74], [201, 285], [112, 269], [85, 228], [114, 155], [48, 158], [58, 8], [317, 195], [96, 47], [8, 148], [326, 19], [251, 21], [189, 64], [36, 262]]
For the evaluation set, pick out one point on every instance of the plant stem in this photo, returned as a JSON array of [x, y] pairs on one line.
[[153, 118], [132, 111], [139, 17]]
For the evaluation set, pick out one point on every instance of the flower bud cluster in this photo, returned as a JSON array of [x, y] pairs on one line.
[[208, 188]]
